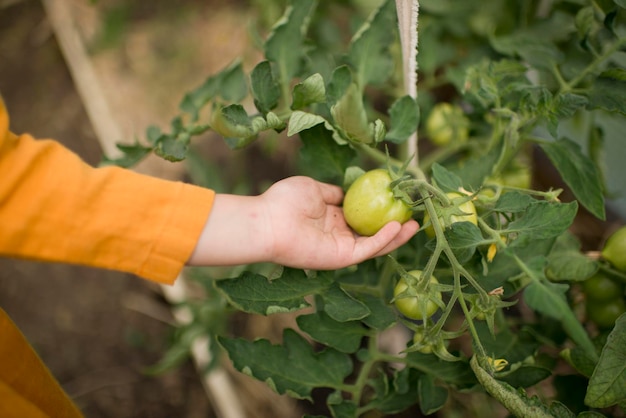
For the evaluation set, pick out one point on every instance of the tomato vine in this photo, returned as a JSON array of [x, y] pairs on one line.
[[520, 77]]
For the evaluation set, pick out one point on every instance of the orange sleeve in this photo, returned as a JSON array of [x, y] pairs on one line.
[[54, 207], [27, 388]]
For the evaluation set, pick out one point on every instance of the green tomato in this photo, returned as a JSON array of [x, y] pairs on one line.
[[466, 207], [426, 347], [614, 250], [369, 203], [601, 287], [605, 313], [411, 306], [446, 124]]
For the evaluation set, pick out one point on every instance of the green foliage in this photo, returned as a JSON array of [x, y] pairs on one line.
[[523, 73]]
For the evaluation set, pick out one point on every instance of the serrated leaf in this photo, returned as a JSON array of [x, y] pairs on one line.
[[446, 179], [311, 90], [265, 88], [381, 317], [254, 293], [369, 48], [566, 261], [322, 157], [431, 397], [342, 307], [549, 299], [455, 372], [579, 173], [513, 202], [463, 238], [404, 116], [342, 336], [607, 385], [133, 154], [300, 121], [292, 368], [544, 220], [171, 148], [526, 376], [609, 91], [285, 45], [232, 83], [350, 117], [396, 395]]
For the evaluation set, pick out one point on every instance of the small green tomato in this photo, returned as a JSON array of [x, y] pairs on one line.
[[411, 305]]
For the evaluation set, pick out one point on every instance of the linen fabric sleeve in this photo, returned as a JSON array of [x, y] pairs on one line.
[[55, 207]]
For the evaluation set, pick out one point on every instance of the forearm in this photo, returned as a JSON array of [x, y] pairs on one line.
[[235, 233]]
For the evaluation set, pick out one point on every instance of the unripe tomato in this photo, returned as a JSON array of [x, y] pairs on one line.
[[447, 123], [418, 338], [411, 306], [600, 287], [605, 313], [614, 250], [466, 207], [369, 203]]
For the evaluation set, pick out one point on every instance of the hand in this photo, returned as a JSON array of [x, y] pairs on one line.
[[297, 223]]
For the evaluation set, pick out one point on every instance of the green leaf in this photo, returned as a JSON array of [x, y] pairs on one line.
[[350, 117], [292, 368], [579, 173], [342, 307], [232, 83], [455, 372], [543, 220], [265, 89], [285, 45], [446, 179], [405, 117], [513, 202], [253, 293], [172, 148], [607, 385], [300, 121], [381, 317], [431, 397], [342, 336], [463, 238], [395, 396], [549, 299], [322, 157], [526, 376], [369, 53], [566, 262], [311, 90], [609, 91], [133, 154]]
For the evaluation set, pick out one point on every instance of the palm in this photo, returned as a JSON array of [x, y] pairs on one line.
[[309, 230]]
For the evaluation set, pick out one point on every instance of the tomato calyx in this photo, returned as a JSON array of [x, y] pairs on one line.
[[416, 296], [451, 208]]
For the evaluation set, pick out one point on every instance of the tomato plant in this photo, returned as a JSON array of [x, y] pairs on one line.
[[534, 79], [369, 203]]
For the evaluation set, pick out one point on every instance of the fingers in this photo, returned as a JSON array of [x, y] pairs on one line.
[[389, 238]]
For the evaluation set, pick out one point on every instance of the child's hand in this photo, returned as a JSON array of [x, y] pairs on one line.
[[297, 223]]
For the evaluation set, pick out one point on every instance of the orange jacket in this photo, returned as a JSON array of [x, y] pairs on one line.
[[54, 207]]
